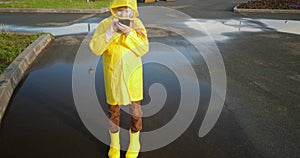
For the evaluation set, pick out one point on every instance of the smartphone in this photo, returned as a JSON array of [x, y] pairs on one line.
[[124, 21]]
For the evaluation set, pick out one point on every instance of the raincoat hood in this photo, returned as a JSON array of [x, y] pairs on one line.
[[132, 4]]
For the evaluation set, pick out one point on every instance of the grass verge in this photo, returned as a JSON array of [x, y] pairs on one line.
[[271, 4], [67, 4], [11, 45]]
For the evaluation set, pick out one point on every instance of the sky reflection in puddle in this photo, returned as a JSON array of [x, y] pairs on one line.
[[217, 28]]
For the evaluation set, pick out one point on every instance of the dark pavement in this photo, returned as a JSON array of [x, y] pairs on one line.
[[260, 117]]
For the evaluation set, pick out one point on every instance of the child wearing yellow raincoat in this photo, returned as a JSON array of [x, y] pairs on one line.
[[122, 46]]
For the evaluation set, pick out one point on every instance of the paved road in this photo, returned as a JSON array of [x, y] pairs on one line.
[[260, 117]]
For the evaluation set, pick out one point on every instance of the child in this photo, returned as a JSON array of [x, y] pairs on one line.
[[122, 40]]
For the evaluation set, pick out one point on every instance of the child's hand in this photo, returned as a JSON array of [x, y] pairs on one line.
[[124, 28], [114, 24], [113, 28]]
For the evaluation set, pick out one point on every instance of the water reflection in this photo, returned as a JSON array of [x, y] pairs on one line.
[[78, 28], [217, 28]]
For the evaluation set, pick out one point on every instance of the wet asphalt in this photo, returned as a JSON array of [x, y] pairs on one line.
[[260, 117]]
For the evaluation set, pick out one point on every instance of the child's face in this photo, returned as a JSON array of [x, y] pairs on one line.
[[124, 12]]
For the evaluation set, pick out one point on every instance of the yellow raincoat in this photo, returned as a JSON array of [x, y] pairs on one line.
[[122, 63]]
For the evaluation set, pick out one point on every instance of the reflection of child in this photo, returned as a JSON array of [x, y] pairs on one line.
[[122, 47]]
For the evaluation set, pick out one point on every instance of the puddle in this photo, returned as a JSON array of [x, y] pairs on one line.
[[59, 110], [287, 26], [217, 28], [78, 28]]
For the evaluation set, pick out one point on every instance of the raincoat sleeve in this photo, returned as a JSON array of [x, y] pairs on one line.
[[137, 40], [99, 44]]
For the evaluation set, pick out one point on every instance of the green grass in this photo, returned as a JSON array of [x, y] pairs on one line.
[[78, 4], [11, 45]]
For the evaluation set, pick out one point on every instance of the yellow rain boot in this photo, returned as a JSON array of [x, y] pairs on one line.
[[114, 151], [134, 145]]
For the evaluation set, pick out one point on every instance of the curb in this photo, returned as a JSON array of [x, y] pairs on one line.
[[10, 78], [44, 10], [287, 11]]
